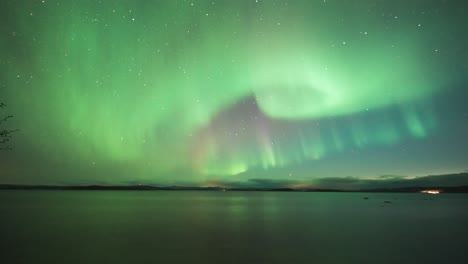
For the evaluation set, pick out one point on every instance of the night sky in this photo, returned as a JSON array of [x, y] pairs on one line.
[[186, 92]]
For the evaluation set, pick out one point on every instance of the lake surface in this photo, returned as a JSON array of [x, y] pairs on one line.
[[231, 227]]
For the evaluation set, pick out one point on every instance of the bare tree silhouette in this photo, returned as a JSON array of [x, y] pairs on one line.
[[5, 134]]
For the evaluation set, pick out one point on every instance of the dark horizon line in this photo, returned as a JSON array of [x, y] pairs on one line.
[[413, 189]]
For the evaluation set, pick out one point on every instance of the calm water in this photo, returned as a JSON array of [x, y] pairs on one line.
[[231, 227]]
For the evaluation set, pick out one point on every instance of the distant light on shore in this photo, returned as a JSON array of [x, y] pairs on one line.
[[431, 191]]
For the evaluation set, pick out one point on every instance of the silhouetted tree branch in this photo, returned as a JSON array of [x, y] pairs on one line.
[[5, 134]]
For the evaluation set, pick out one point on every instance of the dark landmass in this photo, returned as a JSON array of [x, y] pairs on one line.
[[456, 189], [445, 183]]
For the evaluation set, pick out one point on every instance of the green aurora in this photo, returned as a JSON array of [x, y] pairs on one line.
[[172, 92]]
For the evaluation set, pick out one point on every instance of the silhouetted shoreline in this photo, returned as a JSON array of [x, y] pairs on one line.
[[455, 189]]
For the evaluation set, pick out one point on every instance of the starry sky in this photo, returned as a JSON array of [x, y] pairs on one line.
[[208, 93]]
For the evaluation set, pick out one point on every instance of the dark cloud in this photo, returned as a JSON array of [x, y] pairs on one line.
[[355, 183], [392, 177], [447, 180]]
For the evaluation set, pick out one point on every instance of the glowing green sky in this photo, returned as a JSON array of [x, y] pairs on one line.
[[172, 92]]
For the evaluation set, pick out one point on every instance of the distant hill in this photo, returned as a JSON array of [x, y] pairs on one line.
[[447, 183], [456, 189]]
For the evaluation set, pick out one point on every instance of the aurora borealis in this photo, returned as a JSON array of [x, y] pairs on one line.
[[203, 92]]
